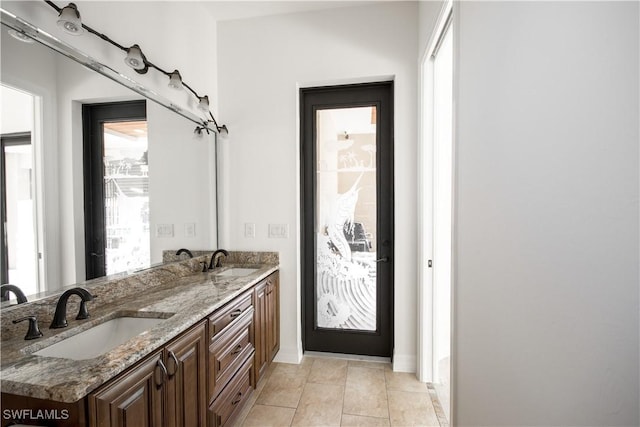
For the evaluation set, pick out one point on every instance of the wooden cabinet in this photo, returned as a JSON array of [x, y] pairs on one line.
[[186, 386], [273, 315], [262, 356], [267, 322], [201, 378], [134, 399], [224, 410], [167, 388]]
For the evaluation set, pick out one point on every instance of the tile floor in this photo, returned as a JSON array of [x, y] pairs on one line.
[[337, 392]]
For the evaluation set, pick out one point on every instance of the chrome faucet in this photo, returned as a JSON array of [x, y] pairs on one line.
[[5, 289], [60, 316], [216, 262]]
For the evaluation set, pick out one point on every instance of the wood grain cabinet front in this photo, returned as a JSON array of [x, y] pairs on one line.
[[166, 389], [229, 351], [134, 399], [225, 409], [267, 322]]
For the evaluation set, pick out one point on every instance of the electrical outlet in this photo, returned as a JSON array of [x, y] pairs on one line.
[[278, 231], [190, 229], [250, 230], [164, 230]]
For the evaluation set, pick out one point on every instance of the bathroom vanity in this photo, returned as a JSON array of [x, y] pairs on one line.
[[195, 367]]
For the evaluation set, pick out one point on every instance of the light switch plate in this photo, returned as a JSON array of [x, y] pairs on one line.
[[190, 229], [278, 231], [249, 230], [164, 230]]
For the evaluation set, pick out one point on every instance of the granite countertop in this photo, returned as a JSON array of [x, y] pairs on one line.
[[182, 302]]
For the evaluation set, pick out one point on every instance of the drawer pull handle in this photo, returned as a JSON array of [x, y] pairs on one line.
[[174, 359], [237, 350], [235, 402], [163, 373], [235, 313]]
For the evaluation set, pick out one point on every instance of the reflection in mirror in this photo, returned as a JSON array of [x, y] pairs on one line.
[[18, 226], [175, 207]]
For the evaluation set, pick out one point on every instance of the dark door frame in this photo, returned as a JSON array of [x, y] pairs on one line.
[[379, 94], [7, 139], [93, 118]]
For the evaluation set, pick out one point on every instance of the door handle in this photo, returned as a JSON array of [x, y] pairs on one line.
[[97, 255], [383, 259]]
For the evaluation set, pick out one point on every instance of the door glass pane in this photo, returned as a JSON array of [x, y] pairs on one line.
[[345, 218], [126, 196], [21, 238]]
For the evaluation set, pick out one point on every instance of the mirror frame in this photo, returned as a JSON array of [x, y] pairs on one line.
[[16, 23]]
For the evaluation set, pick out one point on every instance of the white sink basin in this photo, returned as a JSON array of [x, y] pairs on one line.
[[99, 339], [237, 272]]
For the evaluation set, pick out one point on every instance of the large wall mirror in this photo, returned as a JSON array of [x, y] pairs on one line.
[[158, 176]]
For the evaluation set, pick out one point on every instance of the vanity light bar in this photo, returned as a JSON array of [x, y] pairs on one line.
[[69, 20]]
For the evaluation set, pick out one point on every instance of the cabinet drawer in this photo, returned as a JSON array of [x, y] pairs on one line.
[[228, 405], [229, 351], [227, 314]]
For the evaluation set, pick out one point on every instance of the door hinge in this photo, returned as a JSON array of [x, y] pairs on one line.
[[430, 263]]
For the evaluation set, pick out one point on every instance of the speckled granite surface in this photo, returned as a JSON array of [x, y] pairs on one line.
[[182, 301], [235, 257]]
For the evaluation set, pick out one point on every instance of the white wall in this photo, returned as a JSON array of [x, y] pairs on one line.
[[546, 240], [262, 64]]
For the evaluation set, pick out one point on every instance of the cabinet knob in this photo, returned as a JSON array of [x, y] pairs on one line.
[[237, 350], [235, 313]]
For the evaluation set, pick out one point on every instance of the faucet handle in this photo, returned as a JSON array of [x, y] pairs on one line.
[[83, 313], [33, 332]]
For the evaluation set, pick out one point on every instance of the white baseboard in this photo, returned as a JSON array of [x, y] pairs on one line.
[[404, 363], [288, 355]]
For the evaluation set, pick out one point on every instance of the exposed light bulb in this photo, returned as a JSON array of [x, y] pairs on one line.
[[175, 80], [135, 59], [20, 35], [69, 20], [203, 103]]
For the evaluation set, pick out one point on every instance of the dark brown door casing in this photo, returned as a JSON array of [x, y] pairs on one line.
[[377, 339]]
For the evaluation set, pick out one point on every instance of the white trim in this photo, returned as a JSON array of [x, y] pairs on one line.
[[424, 363], [288, 355], [454, 225], [404, 363]]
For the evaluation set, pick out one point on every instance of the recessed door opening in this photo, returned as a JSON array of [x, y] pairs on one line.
[[437, 212], [20, 260], [347, 219], [117, 234]]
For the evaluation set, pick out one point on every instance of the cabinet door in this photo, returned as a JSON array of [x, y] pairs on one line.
[[260, 326], [134, 399], [186, 386], [273, 316]]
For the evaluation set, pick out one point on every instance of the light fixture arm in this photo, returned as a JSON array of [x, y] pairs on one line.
[[147, 63]]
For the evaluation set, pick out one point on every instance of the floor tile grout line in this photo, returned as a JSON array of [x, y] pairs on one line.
[[386, 390]]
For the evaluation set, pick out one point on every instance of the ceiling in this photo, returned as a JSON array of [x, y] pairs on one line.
[[240, 9]]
